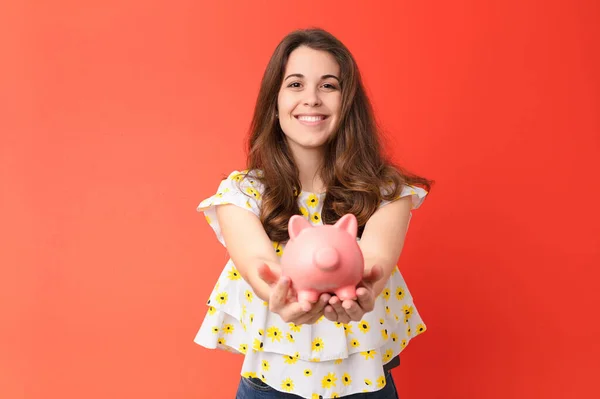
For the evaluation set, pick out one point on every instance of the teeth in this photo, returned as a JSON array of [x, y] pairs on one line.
[[310, 118]]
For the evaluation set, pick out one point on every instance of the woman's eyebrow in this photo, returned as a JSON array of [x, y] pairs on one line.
[[299, 75]]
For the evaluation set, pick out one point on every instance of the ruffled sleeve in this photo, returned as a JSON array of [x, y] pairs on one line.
[[417, 195], [239, 188]]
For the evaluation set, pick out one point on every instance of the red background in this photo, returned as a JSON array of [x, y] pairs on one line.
[[118, 117]]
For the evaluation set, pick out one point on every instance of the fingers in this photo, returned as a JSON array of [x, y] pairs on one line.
[[279, 294], [329, 313], [336, 304], [353, 310], [366, 301], [316, 312]]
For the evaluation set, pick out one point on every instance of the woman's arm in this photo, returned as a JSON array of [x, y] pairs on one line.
[[248, 245], [254, 257], [383, 238], [381, 244]]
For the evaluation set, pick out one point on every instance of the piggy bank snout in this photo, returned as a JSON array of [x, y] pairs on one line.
[[327, 259]]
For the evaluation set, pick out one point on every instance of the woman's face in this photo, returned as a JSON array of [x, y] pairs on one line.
[[310, 98]]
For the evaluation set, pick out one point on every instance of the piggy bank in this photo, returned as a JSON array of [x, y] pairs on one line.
[[323, 259]]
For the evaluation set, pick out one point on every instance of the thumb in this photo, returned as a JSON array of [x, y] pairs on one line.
[[267, 274], [374, 274]]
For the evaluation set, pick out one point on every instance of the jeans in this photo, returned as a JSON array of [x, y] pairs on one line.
[[254, 388]]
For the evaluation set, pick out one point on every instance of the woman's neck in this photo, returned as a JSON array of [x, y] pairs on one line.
[[309, 162]]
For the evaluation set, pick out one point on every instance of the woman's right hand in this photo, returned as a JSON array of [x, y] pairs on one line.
[[283, 300]]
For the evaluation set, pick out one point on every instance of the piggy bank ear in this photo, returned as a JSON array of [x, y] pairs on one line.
[[348, 223], [296, 225]]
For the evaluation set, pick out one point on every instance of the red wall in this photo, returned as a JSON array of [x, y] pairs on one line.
[[118, 117]]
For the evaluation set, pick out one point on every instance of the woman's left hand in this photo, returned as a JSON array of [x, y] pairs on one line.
[[354, 310]]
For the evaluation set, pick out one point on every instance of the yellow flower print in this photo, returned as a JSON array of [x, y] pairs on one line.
[[228, 328], [243, 348], [315, 396], [408, 311], [384, 334], [387, 309], [381, 321], [364, 326], [244, 309], [215, 330], [221, 341], [348, 329], [249, 374], [303, 211], [265, 303], [290, 337], [291, 359], [421, 328], [394, 337], [315, 217], [355, 343], [408, 331], [346, 379], [338, 361], [314, 360], [253, 192], [263, 379], [368, 382], [261, 332], [335, 395], [287, 385], [249, 295], [278, 249], [234, 274], [329, 380], [338, 324], [403, 344], [317, 344], [211, 310], [386, 294], [381, 382], [307, 372], [396, 317], [294, 327], [369, 354], [251, 318], [222, 298], [248, 205], [207, 219], [399, 293], [387, 356], [257, 346], [265, 365], [312, 201], [237, 177], [274, 333]]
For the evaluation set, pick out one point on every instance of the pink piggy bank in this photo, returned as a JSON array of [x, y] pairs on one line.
[[323, 259]]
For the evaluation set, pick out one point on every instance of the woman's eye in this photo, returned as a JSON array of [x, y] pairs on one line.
[[294, 84], [329, 86]]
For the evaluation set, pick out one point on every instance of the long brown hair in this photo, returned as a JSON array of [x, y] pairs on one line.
[[354, 170]]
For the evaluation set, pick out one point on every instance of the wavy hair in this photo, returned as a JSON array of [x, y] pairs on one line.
[[354, 169]]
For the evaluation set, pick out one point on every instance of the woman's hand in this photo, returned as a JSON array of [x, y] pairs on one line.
[[283, 301], [354, 310]]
